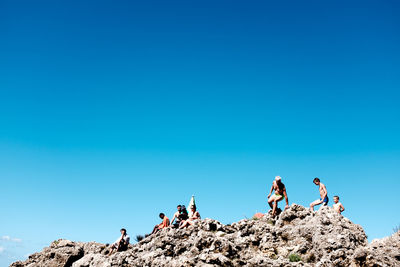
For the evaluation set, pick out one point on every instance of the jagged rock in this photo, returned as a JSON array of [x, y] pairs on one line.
[[297, 237], [380, 252], [60, 253]]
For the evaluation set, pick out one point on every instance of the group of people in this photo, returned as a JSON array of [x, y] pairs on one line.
[[182, 218], [280, 193]]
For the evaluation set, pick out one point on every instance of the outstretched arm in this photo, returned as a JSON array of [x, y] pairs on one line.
[[286, 198], [173, 218], [270, 192]]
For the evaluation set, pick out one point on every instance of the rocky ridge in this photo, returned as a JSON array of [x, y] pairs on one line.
[[297, 237]]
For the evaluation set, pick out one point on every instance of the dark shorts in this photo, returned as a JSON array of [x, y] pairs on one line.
[[326, 200], [123, 247]]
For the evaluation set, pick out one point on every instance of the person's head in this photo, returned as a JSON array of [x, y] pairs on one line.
[[193, 207], [316, 181], [278, 180], [179, 207], [123, 231], [162, 215], [336, 199]]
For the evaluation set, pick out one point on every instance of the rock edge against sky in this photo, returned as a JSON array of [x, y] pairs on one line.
[[297, 237]]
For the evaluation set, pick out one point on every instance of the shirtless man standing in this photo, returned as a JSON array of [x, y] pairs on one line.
[[280, 192], [323, 193]]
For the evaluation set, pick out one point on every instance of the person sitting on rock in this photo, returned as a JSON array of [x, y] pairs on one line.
[[179, 216], [338, 207], [280, 192], [162, 225], [323, 193], [175, 219], [195, 216], [121, 244]]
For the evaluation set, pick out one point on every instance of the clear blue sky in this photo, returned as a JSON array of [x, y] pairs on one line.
[[114, 111]]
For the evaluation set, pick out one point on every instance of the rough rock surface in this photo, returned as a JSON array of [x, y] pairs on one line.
[[297, 237], [380, 252]]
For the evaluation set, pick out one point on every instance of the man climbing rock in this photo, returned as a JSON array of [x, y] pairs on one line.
[[280, 193], [323, 193]]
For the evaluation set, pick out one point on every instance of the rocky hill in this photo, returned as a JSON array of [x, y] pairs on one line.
[[297, 237]]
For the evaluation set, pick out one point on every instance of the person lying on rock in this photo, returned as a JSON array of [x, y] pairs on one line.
[[338, 207], [322, 192], [195, 216], [121, 244], [162, 225], [280, 192]]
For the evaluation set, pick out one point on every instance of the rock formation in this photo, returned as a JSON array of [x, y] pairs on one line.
[[297, 237]]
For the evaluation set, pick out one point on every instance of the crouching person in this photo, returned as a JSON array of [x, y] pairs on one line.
[[121, 244], [162, 225]]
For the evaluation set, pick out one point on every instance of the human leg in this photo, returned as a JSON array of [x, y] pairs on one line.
[[112, 248], [183, 224], [275, 203], [315, 203], [155, 229], [270, 201]]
